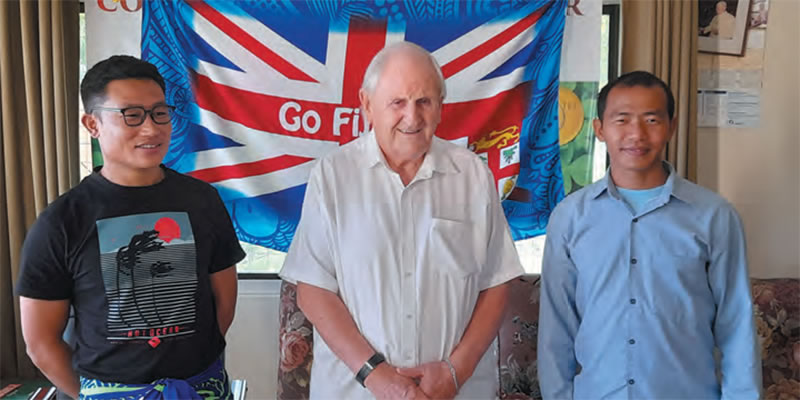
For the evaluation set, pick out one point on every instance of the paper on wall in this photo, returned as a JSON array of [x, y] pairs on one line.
[[734, 109], [729, 79]]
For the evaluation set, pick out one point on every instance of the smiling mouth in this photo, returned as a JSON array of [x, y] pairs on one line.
[[636, 151], [410, 132], [148, 146]]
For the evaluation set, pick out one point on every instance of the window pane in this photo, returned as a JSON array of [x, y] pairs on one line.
[[531, 250], [263, 260], [260, 260], [599, 157], [530, 253], [84, 140], [605, 23]]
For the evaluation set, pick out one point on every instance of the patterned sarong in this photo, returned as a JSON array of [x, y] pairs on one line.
[[211, 384]]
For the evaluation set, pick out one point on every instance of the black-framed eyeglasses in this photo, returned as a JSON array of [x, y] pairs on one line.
[[135, 116]]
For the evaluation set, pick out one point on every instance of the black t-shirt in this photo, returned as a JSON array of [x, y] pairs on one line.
[[135, 263]]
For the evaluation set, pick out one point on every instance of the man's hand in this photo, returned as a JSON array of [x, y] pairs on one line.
[[434, 378], [386, 383]]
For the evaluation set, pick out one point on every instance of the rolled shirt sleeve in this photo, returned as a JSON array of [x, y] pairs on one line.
[[502, 261], [310, 258]]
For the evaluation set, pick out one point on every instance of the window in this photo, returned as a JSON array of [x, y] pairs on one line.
[[264, 263], [84, 139], [609, 70], [609, 44], [531, 251], [260, 261]]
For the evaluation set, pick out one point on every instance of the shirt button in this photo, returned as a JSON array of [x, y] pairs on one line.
[[633, 261], [633, 301], [636, 220], [408, 316], [631, 381], [408, 274], [631, 341]]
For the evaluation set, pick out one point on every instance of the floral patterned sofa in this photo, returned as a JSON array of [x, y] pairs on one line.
[[777, 308]]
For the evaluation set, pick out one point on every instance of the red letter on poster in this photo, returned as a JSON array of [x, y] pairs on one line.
[[104, 8]]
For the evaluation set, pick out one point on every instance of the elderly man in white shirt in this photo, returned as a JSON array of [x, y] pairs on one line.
[[723, 24], [403, 254]]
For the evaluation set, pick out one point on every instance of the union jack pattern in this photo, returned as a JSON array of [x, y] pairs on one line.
[[263, 88]]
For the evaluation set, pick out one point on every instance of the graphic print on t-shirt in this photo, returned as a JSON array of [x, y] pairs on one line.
[[150, 275]]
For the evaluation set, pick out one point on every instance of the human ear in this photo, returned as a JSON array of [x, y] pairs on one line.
[[366, 104], [597, 124], [90, 122]]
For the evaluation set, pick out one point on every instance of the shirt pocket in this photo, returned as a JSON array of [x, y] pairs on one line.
[[682, 284], [452, 247]]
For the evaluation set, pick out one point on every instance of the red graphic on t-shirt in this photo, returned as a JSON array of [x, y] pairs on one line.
[[151, 281], [168, 229]]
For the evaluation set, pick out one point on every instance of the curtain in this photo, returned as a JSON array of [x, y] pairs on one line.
[[660, 36], [39, 58]]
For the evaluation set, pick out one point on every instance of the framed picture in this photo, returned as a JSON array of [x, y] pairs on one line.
[[758, 14], [722, 25]]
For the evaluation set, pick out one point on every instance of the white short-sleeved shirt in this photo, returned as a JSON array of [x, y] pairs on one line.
[[407, 261]]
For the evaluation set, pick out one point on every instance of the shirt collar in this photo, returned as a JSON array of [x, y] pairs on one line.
[[674, 186], [372, 153], [437, 159]]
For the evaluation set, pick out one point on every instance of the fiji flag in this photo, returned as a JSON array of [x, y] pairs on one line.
[[263, 88]]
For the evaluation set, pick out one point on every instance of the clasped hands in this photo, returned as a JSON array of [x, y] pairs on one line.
[[427, 381]]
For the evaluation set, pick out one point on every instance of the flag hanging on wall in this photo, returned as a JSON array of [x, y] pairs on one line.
[[263, 88]]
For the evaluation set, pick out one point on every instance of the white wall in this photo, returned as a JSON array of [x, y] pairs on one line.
[[757, 169], [252, 351]]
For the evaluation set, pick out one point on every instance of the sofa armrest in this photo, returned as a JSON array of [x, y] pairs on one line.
[[295, 344], [777, 312]]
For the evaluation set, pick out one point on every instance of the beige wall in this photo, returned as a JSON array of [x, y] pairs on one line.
[[252, 350], [758, 170]]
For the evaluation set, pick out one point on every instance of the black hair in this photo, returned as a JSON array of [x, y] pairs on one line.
[[93, 86], [631, 79]]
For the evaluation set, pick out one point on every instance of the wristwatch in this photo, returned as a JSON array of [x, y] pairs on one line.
[[370, 365]]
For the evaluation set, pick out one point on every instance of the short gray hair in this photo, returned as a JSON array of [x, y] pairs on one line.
[[375, 68]]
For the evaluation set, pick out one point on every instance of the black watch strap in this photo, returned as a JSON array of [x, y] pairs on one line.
[[370, 365]]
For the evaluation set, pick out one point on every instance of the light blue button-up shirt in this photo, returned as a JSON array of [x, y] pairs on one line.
[[635, 302]]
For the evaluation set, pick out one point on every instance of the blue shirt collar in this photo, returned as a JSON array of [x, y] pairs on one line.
[[674, 186]]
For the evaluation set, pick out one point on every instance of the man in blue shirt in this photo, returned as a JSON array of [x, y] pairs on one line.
[[644, 272]]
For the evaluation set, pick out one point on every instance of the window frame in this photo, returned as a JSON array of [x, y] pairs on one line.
[[612, 10], [257, 275], [614, 38]]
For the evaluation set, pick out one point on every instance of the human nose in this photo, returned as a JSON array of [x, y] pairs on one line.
[[149, 125], [412, 113], [637, 129]]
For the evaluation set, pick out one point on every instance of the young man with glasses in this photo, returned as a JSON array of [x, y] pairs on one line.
[[144, 255]]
